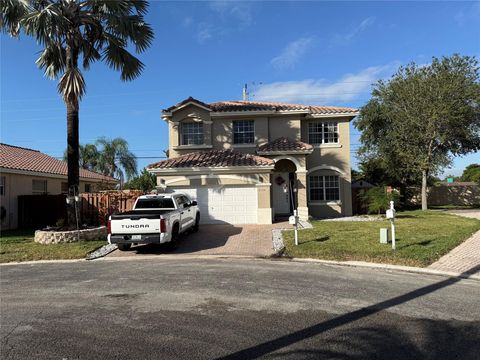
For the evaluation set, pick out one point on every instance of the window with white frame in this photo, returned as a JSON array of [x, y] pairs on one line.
[[192, 133], [243, 132], [39, 186], [324, 188], [320, 132], [2, 185]]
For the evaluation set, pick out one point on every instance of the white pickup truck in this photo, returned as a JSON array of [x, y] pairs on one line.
[[155, 219]]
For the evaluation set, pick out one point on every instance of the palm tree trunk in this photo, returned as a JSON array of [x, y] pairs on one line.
[[424, 190], [72, 160]]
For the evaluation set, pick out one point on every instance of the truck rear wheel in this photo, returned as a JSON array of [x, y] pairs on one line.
[[124, 247], [197, 223], [172, 245]]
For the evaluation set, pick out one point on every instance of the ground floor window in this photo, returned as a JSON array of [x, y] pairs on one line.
[[39, 186], [324, 188], [88, 188], [64, 188]]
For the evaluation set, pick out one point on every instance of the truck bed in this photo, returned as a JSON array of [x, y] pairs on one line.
[[137, 214]]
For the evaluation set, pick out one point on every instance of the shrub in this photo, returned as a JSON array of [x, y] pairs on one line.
[[378, 199]]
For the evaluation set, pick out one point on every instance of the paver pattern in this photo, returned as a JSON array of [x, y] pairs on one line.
[[247, 240], [465, 256]]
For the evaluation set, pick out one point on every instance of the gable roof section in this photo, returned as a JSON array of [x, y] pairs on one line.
[[236, 106], [212, 159], [186, 102], [18, 158], [285, 145]]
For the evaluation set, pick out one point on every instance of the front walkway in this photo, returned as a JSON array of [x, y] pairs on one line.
[[465, 256], [246, 240]]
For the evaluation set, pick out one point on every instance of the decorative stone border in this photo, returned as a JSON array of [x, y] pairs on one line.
[[58, 237]]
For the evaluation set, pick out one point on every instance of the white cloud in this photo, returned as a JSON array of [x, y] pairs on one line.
[[292, 53], [472, 13], [348, 88], [347, 37], [239, 11], [204, 32]]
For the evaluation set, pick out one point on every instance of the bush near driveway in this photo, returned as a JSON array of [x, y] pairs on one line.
[[421, 239], [18, 245]]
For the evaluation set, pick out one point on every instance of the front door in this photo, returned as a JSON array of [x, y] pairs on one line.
[[281, 193]]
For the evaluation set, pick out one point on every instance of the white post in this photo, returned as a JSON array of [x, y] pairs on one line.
[[296, 226], [392, 221]]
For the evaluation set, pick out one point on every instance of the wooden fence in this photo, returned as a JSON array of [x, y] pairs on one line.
[[97, 207]]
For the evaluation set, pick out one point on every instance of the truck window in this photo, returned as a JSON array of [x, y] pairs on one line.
[[159, 203]]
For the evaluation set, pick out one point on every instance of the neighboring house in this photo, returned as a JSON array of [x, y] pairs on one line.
[[252, 162], [29, 172]]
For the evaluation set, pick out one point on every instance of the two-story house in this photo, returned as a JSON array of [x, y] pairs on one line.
[[251, 162]]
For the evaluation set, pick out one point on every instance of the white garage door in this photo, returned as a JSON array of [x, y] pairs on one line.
[[225, 204]]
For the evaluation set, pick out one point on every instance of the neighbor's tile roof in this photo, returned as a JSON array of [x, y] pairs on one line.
[[18, 158], [285, 144], [237, 105], [212, 158]]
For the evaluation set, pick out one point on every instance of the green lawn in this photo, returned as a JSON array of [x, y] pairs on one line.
[[18, 245], [422, 238]]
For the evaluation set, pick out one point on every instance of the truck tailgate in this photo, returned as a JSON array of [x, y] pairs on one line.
[[135, 224]]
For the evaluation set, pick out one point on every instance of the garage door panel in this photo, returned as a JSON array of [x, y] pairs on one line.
[[225, 204]]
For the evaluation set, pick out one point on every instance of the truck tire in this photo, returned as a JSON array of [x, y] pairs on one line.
[[124, 247], [172, 245], [197, 223]]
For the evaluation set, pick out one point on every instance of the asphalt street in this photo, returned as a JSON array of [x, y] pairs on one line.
[[233, 309]]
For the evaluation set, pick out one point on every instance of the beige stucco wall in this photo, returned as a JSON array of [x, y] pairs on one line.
[[284, 126], [20, 184]]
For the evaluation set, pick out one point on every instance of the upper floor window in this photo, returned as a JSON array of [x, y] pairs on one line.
[[39, 186], [192, 133], [324, 188], [2, 185], [322, 132], [243, 132]]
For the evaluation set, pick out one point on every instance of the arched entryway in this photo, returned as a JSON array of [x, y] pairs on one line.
[[284, 190]]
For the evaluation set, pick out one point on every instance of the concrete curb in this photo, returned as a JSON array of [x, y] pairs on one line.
[[409, 269], [360, 264]]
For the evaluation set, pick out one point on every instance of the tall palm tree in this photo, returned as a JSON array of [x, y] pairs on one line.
[[115, 159], [87, 31]]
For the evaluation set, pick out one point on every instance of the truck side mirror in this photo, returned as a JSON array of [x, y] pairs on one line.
[[193, 203]]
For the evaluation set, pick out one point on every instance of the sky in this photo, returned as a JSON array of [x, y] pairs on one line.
[[315, 52]]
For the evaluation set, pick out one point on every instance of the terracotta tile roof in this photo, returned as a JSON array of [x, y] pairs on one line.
[[18, 158], [284, 144], [238, 105], [277, 106], [212, 158]]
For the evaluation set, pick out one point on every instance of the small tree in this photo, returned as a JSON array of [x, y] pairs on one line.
[[422, 117], [471, 173], [145, 182]]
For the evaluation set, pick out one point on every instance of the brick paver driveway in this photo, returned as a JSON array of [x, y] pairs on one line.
[[465, 256], [248, 240]]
